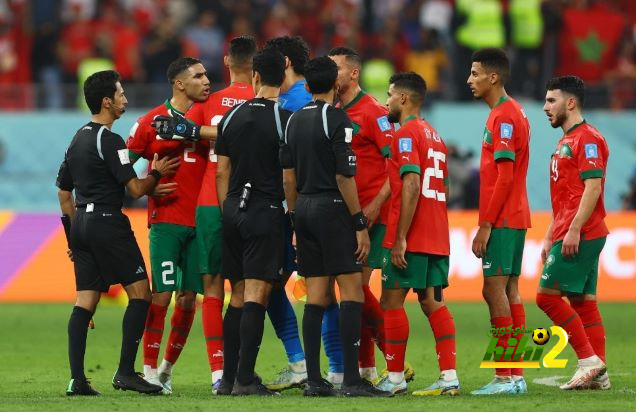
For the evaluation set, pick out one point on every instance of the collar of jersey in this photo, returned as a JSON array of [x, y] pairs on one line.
[[574, 127], [501, 100], [355, 99], [408, 119], [171, 107]]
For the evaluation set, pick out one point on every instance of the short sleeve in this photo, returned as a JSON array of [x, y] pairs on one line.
[[381, 132], [504, 134], [590, 157], [64, 179], [406, 148], [117, 158], [220, 147], [137, 140], [340, 132]]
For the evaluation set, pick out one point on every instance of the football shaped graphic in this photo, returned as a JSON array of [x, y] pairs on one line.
[[540, 336]]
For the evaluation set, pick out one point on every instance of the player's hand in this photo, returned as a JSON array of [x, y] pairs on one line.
[[69, 253], [364, 244], [398, 253], [164, 189], [164, 125], [185, 128], [371, 211], [166, 165], [480, 242], [545, 250], [570, 247]]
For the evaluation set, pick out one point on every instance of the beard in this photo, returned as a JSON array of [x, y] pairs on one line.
[[558, 120], [393, 116]]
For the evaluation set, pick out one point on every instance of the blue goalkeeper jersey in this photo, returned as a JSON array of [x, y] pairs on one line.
[[296, 97]]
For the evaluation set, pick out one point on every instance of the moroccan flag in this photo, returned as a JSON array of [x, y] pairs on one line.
[[589, 42]]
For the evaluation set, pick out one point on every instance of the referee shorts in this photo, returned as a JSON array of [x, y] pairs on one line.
[[105, 251], [253, 240], [325, 237]]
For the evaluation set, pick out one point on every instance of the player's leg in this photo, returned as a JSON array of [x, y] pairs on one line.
[[497, 267], [209, 247], [232, 336], [517, 311], [396, 333], [564, 276], [318, 298], [443, 326]]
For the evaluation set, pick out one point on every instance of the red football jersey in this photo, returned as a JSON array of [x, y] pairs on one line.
[[418, 148], [507, 136], [179, 206], [210, 113], [581, 154], [372, 134]]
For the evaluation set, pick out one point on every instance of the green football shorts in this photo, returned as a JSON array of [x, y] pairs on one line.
[[173, 258], [376, 251], [504, 252], [209, 238], [423, 271], [576, 275]]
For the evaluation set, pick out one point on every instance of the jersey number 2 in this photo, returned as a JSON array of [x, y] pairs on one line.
[[433, 172], [186, 152]]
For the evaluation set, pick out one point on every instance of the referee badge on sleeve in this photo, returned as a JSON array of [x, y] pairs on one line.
[[124, 157], [348, 134]]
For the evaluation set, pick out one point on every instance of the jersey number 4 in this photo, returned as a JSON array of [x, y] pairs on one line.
[[433, 172]]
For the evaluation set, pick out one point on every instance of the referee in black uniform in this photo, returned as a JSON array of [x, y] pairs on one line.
[[250, 189], [331, 231], [103, 247]]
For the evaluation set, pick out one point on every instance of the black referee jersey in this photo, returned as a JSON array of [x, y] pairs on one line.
[[318, 146]]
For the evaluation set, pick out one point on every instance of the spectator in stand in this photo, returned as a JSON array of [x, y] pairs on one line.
[[428, 59], [76, 40], [162, 46], [208, 39], [622, 80]]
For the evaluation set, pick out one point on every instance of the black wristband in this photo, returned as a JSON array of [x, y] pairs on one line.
[[156, 174], [360, 221], [292, 218]]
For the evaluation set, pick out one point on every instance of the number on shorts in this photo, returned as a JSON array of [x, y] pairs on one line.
[[169, 271], [433, 172], [186, 152]]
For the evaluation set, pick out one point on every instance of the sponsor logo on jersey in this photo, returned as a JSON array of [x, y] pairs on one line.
[[591, 151], [124, 158], [506, 131], [348, 134], [405, 144], [383, 123]]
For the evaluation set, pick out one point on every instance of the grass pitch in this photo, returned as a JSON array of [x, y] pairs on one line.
[[34, 369]]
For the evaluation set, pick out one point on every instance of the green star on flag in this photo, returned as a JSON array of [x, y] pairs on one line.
[[590, 48]]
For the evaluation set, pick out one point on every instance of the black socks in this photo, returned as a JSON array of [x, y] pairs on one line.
[[252, 324], [350, 325], [77, 330], [232, 341], [132, 331], [312, 326]]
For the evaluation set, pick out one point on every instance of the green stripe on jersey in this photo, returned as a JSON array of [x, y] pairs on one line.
[[505, 154], [591, 174], [409, 169]]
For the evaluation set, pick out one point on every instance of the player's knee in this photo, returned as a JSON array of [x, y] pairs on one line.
[[545, 302]]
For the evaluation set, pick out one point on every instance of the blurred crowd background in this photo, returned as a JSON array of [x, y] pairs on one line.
[[48, 48]]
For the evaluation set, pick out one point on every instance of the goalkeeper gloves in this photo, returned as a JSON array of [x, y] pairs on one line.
[[176, 127]]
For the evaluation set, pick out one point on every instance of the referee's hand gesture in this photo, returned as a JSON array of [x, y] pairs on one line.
[[166, 165], [364, 244]]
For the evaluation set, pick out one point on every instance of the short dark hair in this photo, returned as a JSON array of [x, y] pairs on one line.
[[351, 55], [295, 48], [179, 66], [99, 85], [321, 74], [270, 64], [573, 85], [242, 49], [494, 59], [413, 83]]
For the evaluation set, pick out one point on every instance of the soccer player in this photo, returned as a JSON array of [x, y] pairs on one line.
[[331, 230], [208, 213], [371, 144], [504, 215], [250, 191], [173, 252], [103, 247], [416, 245], [577, 233]]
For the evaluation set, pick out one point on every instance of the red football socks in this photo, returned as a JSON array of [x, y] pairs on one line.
[[366, 354], [518, 321], [181, 323], [502, 322], [373, 315], [153, 334], [564, 316], [593, 324], [396, 329], [443, 327], [212, 318]]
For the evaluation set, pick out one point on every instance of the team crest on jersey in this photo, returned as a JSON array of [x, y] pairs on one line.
[[356, 128], [565, 151], [383, 123], [405, 145], [487, 136], [506, 131], [591, 151]]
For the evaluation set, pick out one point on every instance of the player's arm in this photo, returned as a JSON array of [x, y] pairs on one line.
[[372, 210], [409, 196], [289, 174], [547, 241], [591, 193], [64, 182], [345, 179], [381, 135]]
